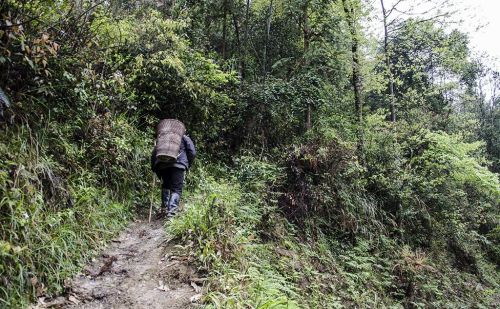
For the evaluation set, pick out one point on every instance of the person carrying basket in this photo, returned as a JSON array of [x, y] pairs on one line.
[[171, 157]]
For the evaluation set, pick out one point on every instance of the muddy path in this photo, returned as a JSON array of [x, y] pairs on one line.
[[140, 268]]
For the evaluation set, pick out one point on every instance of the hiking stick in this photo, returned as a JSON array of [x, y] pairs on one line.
[[151, 200], [152, 192]]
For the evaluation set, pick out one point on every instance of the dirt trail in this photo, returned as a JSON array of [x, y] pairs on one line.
[[139, 269]]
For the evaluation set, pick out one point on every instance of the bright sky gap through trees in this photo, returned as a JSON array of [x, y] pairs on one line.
[[478, 18]]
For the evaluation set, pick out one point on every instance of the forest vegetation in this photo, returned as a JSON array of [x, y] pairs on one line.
[[335, 169]]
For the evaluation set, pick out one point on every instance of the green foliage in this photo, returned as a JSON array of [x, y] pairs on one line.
[[254, 257], [220, 226], [317, 207], [430, 174], [52, 218]]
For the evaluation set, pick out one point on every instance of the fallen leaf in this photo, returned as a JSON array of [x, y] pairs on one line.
[[172, 264], [73, 299], [162, 286], [195, 298], [196, 288], [53, 303], [41, 300], [199, 280], [34, 281]]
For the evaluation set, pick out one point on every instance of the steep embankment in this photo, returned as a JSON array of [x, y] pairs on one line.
[[61, 200]]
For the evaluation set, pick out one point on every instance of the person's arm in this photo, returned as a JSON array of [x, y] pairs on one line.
[[190, 149]]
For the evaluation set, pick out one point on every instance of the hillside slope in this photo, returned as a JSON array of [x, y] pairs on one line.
[[334, 170]]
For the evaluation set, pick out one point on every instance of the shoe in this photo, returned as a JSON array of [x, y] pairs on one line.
[[173, 205], [159, 215], [165, 198]]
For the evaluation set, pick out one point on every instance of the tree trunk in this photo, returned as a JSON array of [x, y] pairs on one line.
[[224, 30], [268, 31], [356, 73], [306, 30], [388, 64], [309, 116], [244, 44], [238, 46]]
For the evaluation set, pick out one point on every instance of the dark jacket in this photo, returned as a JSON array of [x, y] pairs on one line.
[[187, 152]]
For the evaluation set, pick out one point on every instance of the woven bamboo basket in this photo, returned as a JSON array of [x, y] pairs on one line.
[[169, 138]]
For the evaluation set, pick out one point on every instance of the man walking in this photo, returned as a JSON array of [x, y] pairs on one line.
[[172, 175]]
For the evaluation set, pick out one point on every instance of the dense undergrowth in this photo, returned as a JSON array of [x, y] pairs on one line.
[[350, 248]]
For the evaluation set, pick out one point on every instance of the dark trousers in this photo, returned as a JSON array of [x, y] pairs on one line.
[[173, 179]]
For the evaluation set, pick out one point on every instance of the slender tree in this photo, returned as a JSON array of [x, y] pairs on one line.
[[224, 27], [268, 32], [350, 15], [244, 44], [387, 57], [428, 10], [306, 30]]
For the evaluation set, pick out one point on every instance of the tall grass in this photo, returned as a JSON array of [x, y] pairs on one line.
[[56, 210], [220, 222]]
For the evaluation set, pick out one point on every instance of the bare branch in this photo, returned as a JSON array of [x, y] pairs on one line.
[[418, 21], [393, 7]]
